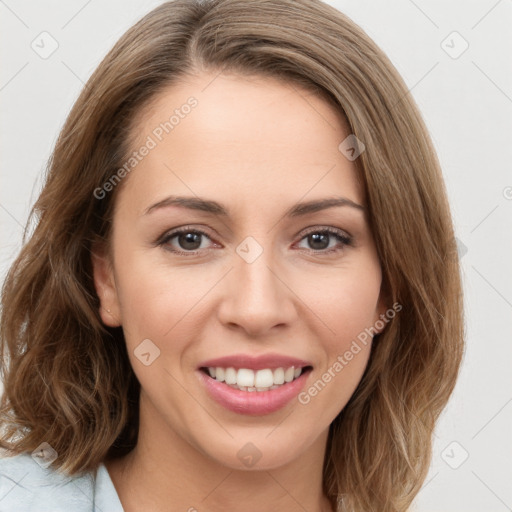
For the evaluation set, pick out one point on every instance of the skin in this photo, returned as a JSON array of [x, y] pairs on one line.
[[258, 146]]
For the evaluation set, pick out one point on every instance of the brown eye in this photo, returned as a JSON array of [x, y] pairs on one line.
[[324, 240], [189, 241], [184, 240], [319, 241]]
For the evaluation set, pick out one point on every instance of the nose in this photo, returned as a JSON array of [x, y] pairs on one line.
[[257, 299]]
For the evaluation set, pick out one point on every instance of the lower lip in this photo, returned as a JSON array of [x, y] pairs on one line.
[[253, 403]]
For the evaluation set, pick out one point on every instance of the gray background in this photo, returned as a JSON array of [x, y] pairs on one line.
[[466, 101]]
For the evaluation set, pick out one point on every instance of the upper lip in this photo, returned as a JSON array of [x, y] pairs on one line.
[[261, 362]]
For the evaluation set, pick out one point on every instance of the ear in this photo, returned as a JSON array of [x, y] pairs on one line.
[[105, 285]]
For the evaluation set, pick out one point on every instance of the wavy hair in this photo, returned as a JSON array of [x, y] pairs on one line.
[[67, 376]]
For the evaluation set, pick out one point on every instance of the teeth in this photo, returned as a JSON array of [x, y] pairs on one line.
[[249, 380], [230, 376], [263, 379], [245, 377], [279, 376], [219, 374], [288, 374]]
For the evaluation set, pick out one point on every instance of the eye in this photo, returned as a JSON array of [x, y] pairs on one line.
[[320, 240], [190, 241], [184, 240]]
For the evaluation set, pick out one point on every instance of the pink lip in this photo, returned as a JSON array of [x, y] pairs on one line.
[[271, 361], [255, 403]]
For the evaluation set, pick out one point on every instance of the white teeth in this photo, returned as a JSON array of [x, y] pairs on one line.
[[245, 377], [219, 374], [249, 380], [230, 376], [288, 374], [264, 379], [279, 376]]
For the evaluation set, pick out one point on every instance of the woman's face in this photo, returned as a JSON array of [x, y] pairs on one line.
[[259, 280]]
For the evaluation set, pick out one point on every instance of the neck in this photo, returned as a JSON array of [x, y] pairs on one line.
[[164, 472]]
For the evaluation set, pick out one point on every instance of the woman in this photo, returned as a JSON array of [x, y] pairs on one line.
[[243, 287]]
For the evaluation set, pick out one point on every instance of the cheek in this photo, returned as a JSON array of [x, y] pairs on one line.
[[153, 292], [353, 311], [346, 301], [347, 305]]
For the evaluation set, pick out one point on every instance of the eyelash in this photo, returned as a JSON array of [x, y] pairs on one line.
[[342, 237]]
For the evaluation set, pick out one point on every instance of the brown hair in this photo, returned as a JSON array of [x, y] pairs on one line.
[[67, 377]]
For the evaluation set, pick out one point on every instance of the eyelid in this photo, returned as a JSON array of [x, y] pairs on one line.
[[330, 229]]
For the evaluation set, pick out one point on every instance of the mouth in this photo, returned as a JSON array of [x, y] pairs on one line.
[[254, 386], [250, 380]]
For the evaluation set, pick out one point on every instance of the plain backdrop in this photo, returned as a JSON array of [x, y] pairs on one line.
[[455, 57]]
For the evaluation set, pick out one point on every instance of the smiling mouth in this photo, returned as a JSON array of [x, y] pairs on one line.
[[246, 379]]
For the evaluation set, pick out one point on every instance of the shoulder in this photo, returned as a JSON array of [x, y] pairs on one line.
[[27, 486]]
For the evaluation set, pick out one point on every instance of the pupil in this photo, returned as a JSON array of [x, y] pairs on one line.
[[190, 241], [322, 238]]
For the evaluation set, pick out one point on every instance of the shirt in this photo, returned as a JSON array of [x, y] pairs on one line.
[[28, 486]]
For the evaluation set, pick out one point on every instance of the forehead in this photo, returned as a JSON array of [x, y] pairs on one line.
[[215, 133]]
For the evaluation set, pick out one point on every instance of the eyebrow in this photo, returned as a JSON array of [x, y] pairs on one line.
[[215, 208]]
